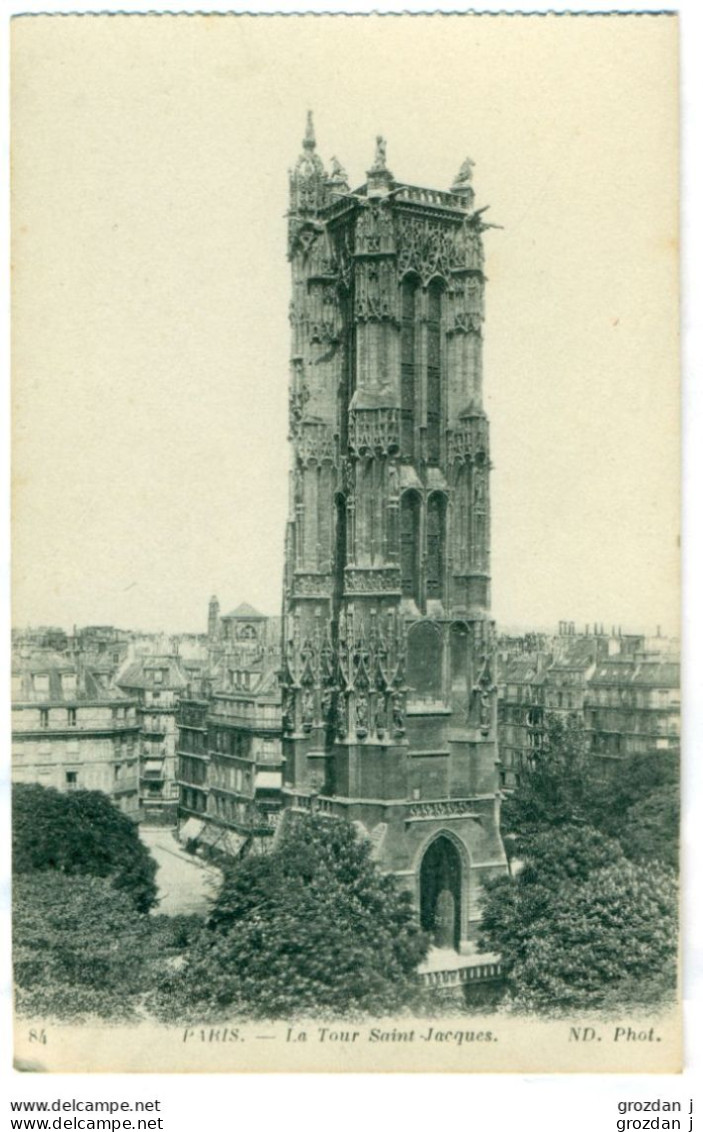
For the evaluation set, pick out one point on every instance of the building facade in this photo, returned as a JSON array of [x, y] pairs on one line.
[[229, 739], [156, 684], [72, 729], [389, 697], [622, 691]]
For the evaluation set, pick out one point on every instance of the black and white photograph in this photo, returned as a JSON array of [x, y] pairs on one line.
[[345, 648]]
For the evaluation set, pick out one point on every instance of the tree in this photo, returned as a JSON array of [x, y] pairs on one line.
[[650, 830], [635, 802], [312, 926], [581, 926], [80, 833], [554, 791]]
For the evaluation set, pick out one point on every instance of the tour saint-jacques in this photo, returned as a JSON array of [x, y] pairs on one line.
[[382, 695]]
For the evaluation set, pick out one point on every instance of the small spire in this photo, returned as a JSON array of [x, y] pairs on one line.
[[309, 139]]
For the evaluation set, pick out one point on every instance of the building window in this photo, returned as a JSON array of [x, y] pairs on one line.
[[43, 717], [71, 717], [71, 779]]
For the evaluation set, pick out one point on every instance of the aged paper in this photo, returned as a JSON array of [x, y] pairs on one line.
[[151, 355]]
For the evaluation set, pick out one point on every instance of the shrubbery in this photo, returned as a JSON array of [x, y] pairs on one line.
[[312, 926], [81, 833], [581, 926]]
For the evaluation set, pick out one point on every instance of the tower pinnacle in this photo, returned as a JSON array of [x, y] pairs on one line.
[[309, 139], [308, 190]]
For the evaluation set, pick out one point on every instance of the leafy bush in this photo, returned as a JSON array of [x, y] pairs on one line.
[[581, 926], [80, 833], [636, 802], [312, 926], [78, 947], [650, 828], [81, 949]]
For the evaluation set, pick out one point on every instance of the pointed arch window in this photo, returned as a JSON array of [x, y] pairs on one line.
[[340, 554], [434, 371], [410, 545], [409, 291], [436, 512]]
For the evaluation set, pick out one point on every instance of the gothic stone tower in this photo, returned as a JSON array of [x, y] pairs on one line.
[[389, 703]]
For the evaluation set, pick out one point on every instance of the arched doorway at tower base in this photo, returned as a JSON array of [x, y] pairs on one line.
[[440, 892]]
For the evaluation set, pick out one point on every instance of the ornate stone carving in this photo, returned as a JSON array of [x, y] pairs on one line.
[[338, 178], [302, 236], [374, 580], [466, 315], [324, 332], [312, 585], [479, 490], [468, 441], [376, 293], [315, 442], [393, 481], [379, 161], [398, 712], [429, 247], [482, 694], [374, 230], [308, 709], [341, 716], [362, 714], [469, 245], [374, 431], [347, 478], [344, 248], [465, 323], [450, 809], [465, 174], [426, 247], [297, 400]]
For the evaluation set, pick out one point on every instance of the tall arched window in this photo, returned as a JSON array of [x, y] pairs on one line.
[[348, 383], [436, 511], [340, 552], [434, 371], [459, 667], [410, 545], [407, 367], [424, 671]]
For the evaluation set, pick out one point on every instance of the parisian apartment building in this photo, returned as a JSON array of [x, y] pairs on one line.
[[229, 737], [73, 728], [622, 690]]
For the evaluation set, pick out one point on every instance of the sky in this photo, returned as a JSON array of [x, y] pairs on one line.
[[151, 289]]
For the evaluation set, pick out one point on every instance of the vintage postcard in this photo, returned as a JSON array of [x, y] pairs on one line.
[[345, 634]]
